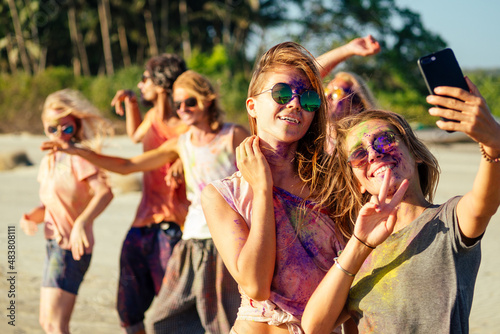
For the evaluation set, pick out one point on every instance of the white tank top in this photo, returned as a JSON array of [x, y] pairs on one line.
[[202, 165]]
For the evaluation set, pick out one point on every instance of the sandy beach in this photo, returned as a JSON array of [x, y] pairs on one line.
[[95, 307]]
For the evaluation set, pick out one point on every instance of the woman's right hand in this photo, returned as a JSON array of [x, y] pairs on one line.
[[28, 226], [123, 95], [59, 145], [253, 164]]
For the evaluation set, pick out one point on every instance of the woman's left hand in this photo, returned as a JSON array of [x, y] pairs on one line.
[[377, 218], [175, 174], [470, 111], [78, 240]]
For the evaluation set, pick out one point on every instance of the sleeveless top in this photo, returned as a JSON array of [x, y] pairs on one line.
[[202, 165], [160, 202]]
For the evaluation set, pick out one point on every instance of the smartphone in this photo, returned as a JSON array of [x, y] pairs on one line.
[[441, 68]]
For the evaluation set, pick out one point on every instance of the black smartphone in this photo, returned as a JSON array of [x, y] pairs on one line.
[[441, 68]]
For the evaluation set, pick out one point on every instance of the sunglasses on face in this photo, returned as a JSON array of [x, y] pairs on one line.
[[337, 93], [145, 77], [65, 129], [282, 94], [382, 144], [188, 103]]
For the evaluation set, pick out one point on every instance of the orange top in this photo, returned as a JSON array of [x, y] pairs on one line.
[[160, 202]]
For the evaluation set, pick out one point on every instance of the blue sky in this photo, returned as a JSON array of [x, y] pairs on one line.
[[470, 28]]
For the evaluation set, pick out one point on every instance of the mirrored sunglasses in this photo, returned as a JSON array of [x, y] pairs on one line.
[[337, 93], [382, 144], [282, 94], [69, 129], [188, 103]]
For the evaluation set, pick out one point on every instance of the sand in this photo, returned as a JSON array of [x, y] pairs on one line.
[[95, 307]]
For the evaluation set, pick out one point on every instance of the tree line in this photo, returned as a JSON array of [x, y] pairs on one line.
[[102, 37]]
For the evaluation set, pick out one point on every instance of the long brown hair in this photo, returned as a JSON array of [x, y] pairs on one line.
[[310, 148], [343, 196]]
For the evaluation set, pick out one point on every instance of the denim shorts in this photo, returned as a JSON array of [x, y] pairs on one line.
[[61, 270]]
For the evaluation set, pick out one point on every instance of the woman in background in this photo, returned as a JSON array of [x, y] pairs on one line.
[[73, 193]]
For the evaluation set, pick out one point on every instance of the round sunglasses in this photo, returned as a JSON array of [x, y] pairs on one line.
[[384, 143], [189, 103], [282, 94], [65, 129]]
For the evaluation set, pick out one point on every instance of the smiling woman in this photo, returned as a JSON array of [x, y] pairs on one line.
[[273, 238], [73, 192], [404, 246]]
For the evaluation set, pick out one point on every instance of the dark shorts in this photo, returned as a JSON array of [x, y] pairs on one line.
[[144, 257], [198, 294], [61, 270]]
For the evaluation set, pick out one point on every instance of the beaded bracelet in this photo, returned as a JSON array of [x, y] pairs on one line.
[[486, 156], [337, 264], [364, 243]]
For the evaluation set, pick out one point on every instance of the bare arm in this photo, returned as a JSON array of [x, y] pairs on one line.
[[149, 160], [374, 224], [126, 98], [361, 46], [249, 254], [477, 207], [102, 197], [29, 221]]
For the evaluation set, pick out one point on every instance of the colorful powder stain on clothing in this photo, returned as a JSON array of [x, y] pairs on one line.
[[306, 241], [420, 280]]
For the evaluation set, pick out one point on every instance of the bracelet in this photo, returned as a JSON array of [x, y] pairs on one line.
[[486, 156], [364, 243], [337, 264]]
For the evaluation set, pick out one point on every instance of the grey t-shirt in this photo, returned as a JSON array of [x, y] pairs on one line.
[[420, 280]]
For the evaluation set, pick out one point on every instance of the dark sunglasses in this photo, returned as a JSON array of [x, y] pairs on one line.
[[65, 129], [145, 77], [282, 94], [189, 103], [382, 144]]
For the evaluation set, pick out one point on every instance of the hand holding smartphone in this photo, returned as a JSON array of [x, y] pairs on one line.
[[442, 69]]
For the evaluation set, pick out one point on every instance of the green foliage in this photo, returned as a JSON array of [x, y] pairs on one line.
[[488, 83], [232, 87], [22, 96]]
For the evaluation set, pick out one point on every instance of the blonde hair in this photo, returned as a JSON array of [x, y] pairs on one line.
[[92, 128], [343, 195], [200, 87]]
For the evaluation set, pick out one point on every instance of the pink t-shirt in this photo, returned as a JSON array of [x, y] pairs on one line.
[[306, 242], [65, 193], [160, 202]]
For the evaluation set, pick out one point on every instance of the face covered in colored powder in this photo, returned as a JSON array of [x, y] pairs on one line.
[[375, 146], [287, 122]]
